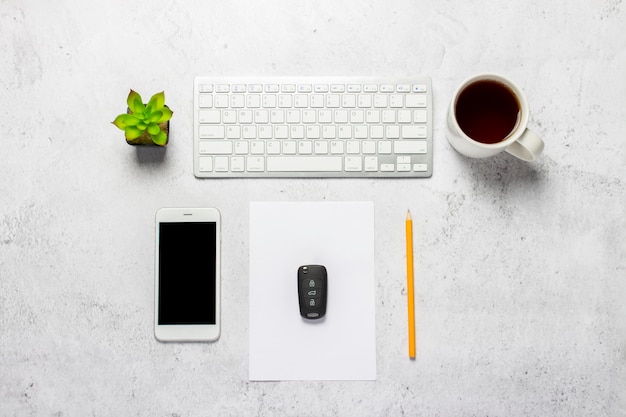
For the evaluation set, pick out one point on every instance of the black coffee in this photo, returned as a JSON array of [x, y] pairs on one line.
[[487, 111]]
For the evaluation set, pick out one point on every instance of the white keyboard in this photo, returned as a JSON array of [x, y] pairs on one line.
[[343, 127]]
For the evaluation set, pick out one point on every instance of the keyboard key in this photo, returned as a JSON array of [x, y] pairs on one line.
[[233, 132], [305, 147], [205, 100], [209, 116], [416, 100], [269, 101], [409, 146], [371, 163], [241, 147], [255, 163], [285, 101], [205, 163], [353, 163], [304, 164], [249, 132], [317, 101], [289, 147], [325, 116], [348, 101], [253, 101], [403, 88], [336, 147], [245, 116], [211, 132], [332, 101], [277, 116], [221, 101], [344, 132], [329, 132], [301, 101], [229, 116], [396, 101], [221, 164], [364, 100], [380, 100], [261, 116], [265, 132], [341, 116], [321, 147], [420, 116], [404, 116], [237, 164], [392, 132], [353, 147], [414, 132], [313, 132], [217, 147], [257, 147]]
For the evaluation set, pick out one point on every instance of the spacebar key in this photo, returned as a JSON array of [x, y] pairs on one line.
[[304, 164]]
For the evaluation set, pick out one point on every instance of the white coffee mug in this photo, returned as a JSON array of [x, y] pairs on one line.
[[519, 141]]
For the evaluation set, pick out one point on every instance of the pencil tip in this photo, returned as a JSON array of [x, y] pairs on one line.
[[408, 214]]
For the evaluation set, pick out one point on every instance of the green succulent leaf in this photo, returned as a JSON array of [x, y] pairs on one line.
[[141, 125], [124, 120], [166, 115], [139, 117], [120, 121], [160, 139], [157, 101], [153, 129], [133, 133], [156, 116], [135, 103], [131, 120]]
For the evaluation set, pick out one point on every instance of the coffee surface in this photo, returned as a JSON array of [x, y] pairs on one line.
[[487, 111]]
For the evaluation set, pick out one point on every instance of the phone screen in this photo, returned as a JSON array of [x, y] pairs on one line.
[[187, 281]]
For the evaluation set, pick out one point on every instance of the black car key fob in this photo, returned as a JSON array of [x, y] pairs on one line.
[[312, 291]]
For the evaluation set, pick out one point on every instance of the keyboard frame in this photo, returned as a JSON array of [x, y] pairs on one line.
[[423, 80]]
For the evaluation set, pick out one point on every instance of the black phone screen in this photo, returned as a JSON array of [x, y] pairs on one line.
[[187, 257]]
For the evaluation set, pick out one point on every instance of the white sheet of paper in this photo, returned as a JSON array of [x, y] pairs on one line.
[[283, 345]]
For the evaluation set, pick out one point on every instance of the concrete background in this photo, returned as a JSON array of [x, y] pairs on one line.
[[520, 267]]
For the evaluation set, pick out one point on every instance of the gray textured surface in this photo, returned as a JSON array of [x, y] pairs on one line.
[[520, 268]]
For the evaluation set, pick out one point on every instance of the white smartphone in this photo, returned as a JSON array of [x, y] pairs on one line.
[[187, 274]]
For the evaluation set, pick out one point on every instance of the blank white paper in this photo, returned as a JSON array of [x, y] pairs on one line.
[[283, 345]]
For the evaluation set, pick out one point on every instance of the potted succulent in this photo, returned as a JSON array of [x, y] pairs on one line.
[[145, 124]]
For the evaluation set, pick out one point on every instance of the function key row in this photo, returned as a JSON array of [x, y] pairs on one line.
[[312, 88]]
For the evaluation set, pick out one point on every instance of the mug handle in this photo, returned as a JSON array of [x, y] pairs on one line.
[[528, 147]]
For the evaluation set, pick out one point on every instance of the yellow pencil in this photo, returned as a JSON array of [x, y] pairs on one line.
[[409, 283]]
